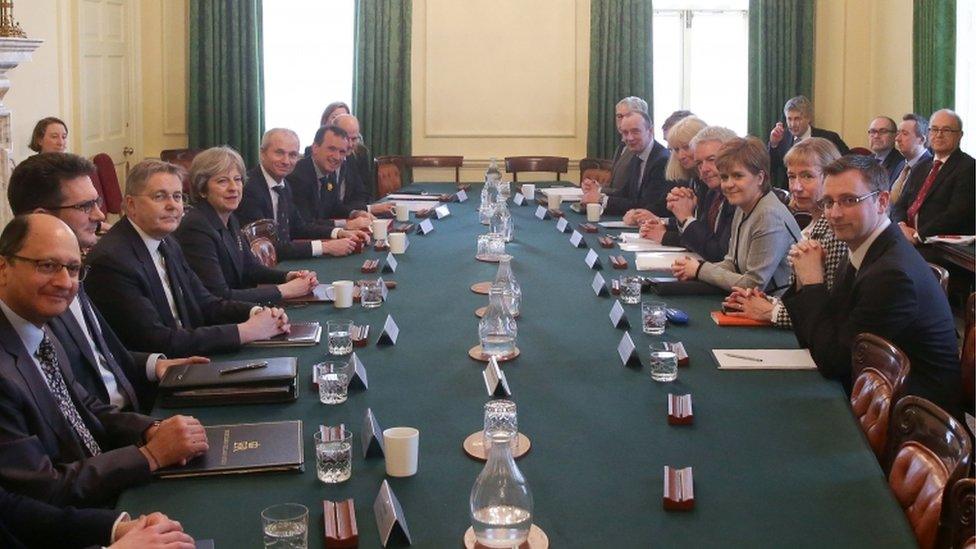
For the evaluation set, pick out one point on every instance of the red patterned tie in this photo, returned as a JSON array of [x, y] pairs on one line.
[[923, 193]]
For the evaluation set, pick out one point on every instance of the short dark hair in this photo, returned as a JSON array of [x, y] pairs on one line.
[[40, 128], [36, 182], [751, 153], [331, 108], [14, 235], [873, 175], [921, 125], [334, 130], [676, 116]]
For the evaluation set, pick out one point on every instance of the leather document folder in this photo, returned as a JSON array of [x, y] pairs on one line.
[[242, 382], [246, 448], [303, 334]]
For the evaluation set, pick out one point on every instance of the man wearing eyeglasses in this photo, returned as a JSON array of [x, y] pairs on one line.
[[143, 285], [60, 444], [881, 141], [883, 287], [59, 184], [940, 195]]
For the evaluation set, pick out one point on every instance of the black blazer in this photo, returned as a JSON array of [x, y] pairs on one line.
[[652, 191], [895, 296], [125, 285], [26, 522], [949, 207], [893, 163], [129, 368], [316, 201], [777, 153], [256, 204], [40, 454], [362, 161], [698, 237], [222, 259]]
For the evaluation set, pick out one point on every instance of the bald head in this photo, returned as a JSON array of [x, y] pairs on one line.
[[350, 124]]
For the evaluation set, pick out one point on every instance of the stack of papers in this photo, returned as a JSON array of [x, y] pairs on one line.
[[417, 205], [568, 194], [960, 239], [764, 359], [660, 261], [632, 242]]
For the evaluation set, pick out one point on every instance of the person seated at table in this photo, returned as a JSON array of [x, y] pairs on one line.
[[702, 223], [26, 522], [360, 159], [762, 227], [883, 287], [805, 164], [141, 281], [646, 186], [210, 236], [60, 444], [50, 135], [618, 171], [268, 195]]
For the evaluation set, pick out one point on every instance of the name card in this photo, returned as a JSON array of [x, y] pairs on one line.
[[372, 436], [518, 199], [426, 227], [495, 381], [593, 261], [391, 263], [542, 213], [562, 225], [358, 378], [576, 239], [600, 286], [442, 211], [384, 291], [390, 332], [617, 316], [627, 352], [462, 195], [390, 520]]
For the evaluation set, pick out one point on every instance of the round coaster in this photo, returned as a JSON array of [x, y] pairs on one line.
[[480, 312], [537, 539], [481, 287], [474, 446], [487, 258], [477, 354]]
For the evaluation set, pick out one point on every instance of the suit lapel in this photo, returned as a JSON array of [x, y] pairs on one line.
[[75, 331], [148, 267]]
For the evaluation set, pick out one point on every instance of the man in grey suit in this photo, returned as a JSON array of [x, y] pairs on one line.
[[58, 443]]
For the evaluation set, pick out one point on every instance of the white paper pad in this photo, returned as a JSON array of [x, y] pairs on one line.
[[960, 239], [660, 261], [772, 359], [417, 205], [568, 194], [410, 196], [648, 246], [615, 225]]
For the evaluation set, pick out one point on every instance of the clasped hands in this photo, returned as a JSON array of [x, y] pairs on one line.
[[807, 259]]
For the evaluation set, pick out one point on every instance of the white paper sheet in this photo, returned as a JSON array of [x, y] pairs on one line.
[[615, 225], [764, 359], [660, 261], [568, 194], [960, 239], [417, 205], [410, 196], [648, 246]]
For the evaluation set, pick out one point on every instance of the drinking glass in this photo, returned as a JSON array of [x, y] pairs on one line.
[[663, 362], [370, 294], [333, 458], [333, 381], [630, 290], [654, 318], [340, 338], [501, 416], [285, 526]]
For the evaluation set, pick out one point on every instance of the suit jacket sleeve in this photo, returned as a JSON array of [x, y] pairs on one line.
[[958, 213], [38, 524], [699, 238], [769, 241], [653, 191], [250, 209]]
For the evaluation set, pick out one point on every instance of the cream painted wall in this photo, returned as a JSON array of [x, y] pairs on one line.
[[863, 64], [164, 63]]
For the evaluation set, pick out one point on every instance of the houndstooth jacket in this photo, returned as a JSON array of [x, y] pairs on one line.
[[835, 251]]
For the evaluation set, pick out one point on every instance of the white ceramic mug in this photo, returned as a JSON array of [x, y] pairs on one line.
[[555, 201], [342, 293], [402, 212], [400, 447], [398, 242], [379, 229], [593, 212], [528, 191]]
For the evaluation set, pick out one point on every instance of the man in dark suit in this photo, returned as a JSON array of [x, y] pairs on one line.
[[911, 141], [646, 186], [58, 443], [143, 285], [799, 117], [881, 141], [618, 173], [940, 196], [884, 288], [360, 160], [59, 184]]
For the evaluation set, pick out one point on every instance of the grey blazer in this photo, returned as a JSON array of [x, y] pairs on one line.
[[757, 249]]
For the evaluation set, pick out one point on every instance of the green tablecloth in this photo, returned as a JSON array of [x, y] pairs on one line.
[[777, 456]]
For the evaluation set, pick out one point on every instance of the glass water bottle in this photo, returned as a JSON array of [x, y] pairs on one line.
[[497, 329], [501, 501], [501, 220], [506, 279]]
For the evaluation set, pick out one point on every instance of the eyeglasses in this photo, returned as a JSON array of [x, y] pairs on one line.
[[880, 132], [49, 267], [86, 207], [845, 202], [940, 131], [163, 196]]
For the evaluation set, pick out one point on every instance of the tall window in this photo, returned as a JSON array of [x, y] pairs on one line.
[[966, 72], [701, 61], [308, 61]]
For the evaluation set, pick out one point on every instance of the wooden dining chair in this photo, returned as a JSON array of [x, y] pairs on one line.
[[182, 158], [264, 250], [878, 372], [958, 529], [515, 164], [455, 162], [390, 174], [942, 275], [107, 183], [968, 355], [260, 228], [597, 169]]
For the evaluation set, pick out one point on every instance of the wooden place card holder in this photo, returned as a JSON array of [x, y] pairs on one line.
[[381, 245], [678, 348], [360, 335], [557, 213], [589, 228], [618, 262], [679, 489], [370, 266], [340, 524], [606, 242], [615, 287], [424, 213], [679, 410], [330, 434], [404, 227]]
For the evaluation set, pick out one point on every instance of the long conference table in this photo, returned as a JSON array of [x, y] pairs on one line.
[[778, 458]]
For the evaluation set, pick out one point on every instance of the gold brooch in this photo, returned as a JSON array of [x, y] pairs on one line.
[[328, 187]]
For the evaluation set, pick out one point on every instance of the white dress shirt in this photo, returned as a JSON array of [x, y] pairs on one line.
[[272, 184], [857, 256], [115, 396], [152, 245]]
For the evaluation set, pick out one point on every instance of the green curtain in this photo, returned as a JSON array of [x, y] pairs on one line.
[[934, 55], [620, 66], [781, 36], [226, 78], [381, 77]]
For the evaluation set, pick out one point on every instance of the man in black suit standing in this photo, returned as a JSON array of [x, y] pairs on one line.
[[881, 141], [59, 184], [940, 196], [268, 195], [143, 285], [60, 444], [799, 117], [910, 141], [646, 186], [884, 288]]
